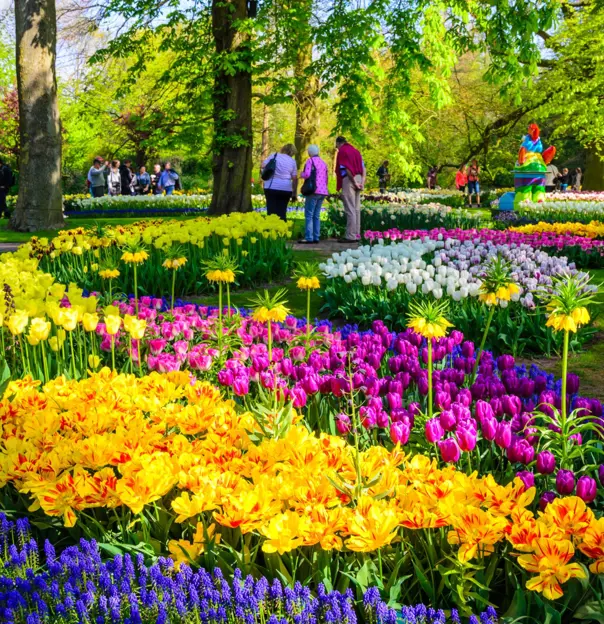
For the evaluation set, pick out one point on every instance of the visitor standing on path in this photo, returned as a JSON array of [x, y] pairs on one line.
[[578, 179], [550, 177], [383, 176], [126, 175], [474, 183], [7, 179], [168, 179], [114, 179], [461, 179], [155, 176], [143, 181], [282, 185], [96, 176], [315, 174], [350, 174]]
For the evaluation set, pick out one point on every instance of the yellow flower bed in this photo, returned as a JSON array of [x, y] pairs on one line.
[[595, 229], [161, 233]]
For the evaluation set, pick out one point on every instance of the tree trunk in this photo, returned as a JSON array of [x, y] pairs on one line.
[[40, 204], [232, 166], [594, 171], [266, 120], [305, 97]]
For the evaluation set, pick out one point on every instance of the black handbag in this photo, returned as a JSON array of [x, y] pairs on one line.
[[310, 184], [269, 171]]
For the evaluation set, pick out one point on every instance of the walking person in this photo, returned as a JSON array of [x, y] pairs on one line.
[[350, 175], [474, 183], [168, 179], [315, 176], [96, 177], [114, 179], [282, 184], [461, 179], [143, 181], [155, 176], [383, 176], [550, 177], [578, 179], [7, 180], [126, 175]]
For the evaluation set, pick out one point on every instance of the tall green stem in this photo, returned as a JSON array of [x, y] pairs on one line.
[[173, 285], [429, 377], [135, 290], [45, 363], [270, 341], [113, 352], [220, 315], [228, 300], [482, 343], [73, 375], [564, 372], [307, 318]]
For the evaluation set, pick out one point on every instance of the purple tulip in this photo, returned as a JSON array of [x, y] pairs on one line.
[[572, 383], [483, 410], [225, 377], [587, 488], [466, 438], [565, 481], [448, 420], [489, 428], [503, 437], [443, 400], [298, 397], [399, 433], [527, 477], [467, 349], [546, 499], [241, 385], [434, 430], [343, 423], [546, 462], [449, 450], [511, 404], [576, 438], [395, 401], [505, 362]]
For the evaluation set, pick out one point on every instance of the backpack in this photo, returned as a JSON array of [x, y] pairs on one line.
[[269, 171], [310, 184]]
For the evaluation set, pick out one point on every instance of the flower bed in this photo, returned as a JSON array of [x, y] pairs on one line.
[[558, 211], [557, 239], [257, 242], [405, 216], [380, 281], [126, 589]]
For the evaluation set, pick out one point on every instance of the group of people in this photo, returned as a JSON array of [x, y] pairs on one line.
[[562, 181], [117, 178], [280, 174], [469, 177]]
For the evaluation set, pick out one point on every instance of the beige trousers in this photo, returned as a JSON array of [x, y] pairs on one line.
[[351, 197]]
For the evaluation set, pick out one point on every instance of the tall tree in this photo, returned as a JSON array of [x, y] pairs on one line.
[[232, 168], [40, 204]]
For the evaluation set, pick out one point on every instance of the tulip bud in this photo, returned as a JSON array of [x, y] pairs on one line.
[[448, 420], [399, 433], [443, 400], [395, 401], [572, 383], [546, 462], [503, 437], [483, 410], [528, 478], [449, 450], [565, 481], [434, 430], [546, 499], [489, 428], [587, 488], [466, 438], [343, 423]]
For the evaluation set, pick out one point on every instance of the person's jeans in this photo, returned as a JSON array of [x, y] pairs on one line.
[[98, 191], [169, 190], [312, 214]]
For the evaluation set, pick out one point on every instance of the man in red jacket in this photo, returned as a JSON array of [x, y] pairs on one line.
[[350, 176]]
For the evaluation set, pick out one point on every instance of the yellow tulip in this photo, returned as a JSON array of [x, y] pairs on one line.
[[17, 322], [112, 324]]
